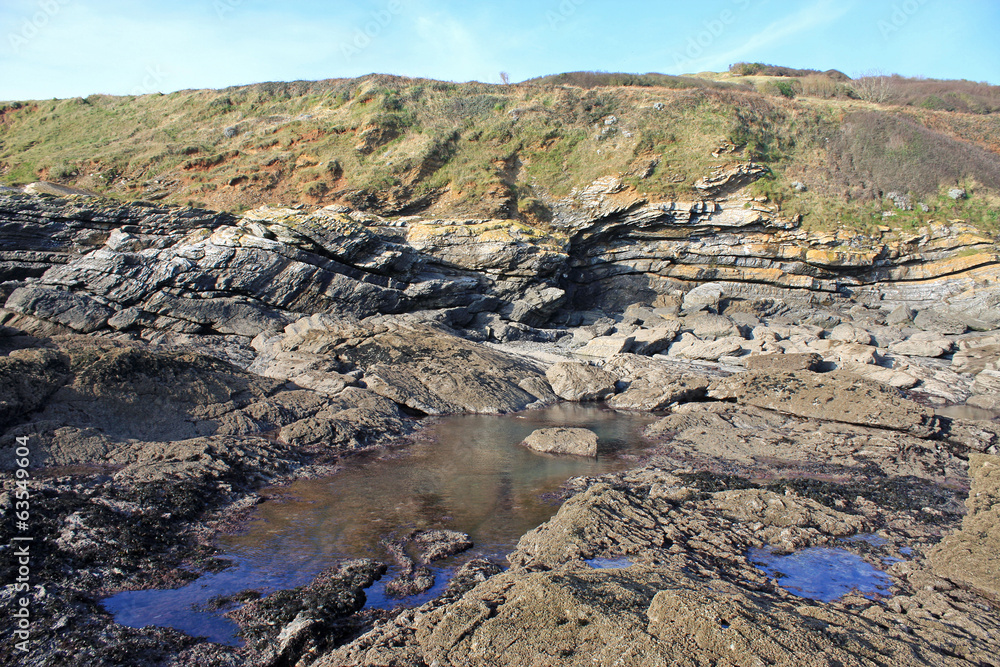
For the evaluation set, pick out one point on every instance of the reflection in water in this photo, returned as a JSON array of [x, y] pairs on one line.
[[967, 412], [470, 475], [821, 573]]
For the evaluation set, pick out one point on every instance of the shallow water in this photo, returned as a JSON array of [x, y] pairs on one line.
[[963, 411], [470, 475], [822, 573]]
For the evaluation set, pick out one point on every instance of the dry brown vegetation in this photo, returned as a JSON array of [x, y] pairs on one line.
[[875, 153]]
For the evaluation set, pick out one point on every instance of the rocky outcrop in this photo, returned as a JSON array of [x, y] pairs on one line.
[[969, 557], [839, 396], [153, 271], [172, 414], [419, 366], [682, 589]]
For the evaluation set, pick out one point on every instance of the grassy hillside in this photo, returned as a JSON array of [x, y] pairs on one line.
[[400, 146]]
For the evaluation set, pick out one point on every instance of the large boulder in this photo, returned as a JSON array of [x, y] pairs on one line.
[[703, 297], [707, 326], [689, 347], [652, 341], [652, 384], [575, 381], [575, 441]]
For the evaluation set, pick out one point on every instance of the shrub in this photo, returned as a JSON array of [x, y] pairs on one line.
[[875, 86], [780, 88]]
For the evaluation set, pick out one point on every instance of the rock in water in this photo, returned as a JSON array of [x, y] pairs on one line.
[[576, 441]]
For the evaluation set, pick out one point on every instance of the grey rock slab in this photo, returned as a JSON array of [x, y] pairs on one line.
[[922, 346], [606, 346], [938, 322], [708, 326], [850, 333], [77, 311], [707, 350], [838, 396]]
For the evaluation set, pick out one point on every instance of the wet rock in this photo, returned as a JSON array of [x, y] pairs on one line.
[[690, 592], [837, 396], [438, 544], [287, 626], [575, 441], [575, 381]]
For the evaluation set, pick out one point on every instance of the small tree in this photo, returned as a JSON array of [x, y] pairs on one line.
[[874, 86], [505, 78]]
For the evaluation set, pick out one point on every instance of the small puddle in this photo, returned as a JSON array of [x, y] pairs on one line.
[[608, 563], [469, 475], [822, 573]]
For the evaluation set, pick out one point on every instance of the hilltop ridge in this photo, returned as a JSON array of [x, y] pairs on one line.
[[397, 146]]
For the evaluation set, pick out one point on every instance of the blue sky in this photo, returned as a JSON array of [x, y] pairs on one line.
[[66, 48]]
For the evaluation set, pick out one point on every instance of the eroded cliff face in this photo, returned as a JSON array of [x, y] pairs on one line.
[[78, 265]]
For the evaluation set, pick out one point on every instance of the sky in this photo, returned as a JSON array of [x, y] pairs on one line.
[[70, 48]]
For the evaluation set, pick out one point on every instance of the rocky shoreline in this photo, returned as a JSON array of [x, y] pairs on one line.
[[164, 365]]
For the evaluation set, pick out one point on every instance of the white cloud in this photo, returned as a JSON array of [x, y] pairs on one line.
[[781, 31]]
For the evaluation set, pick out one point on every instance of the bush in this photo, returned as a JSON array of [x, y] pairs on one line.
[[780, 88], [875, 86]]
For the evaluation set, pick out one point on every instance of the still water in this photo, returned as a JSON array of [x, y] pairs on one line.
[[822, 573], [470, 474]]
